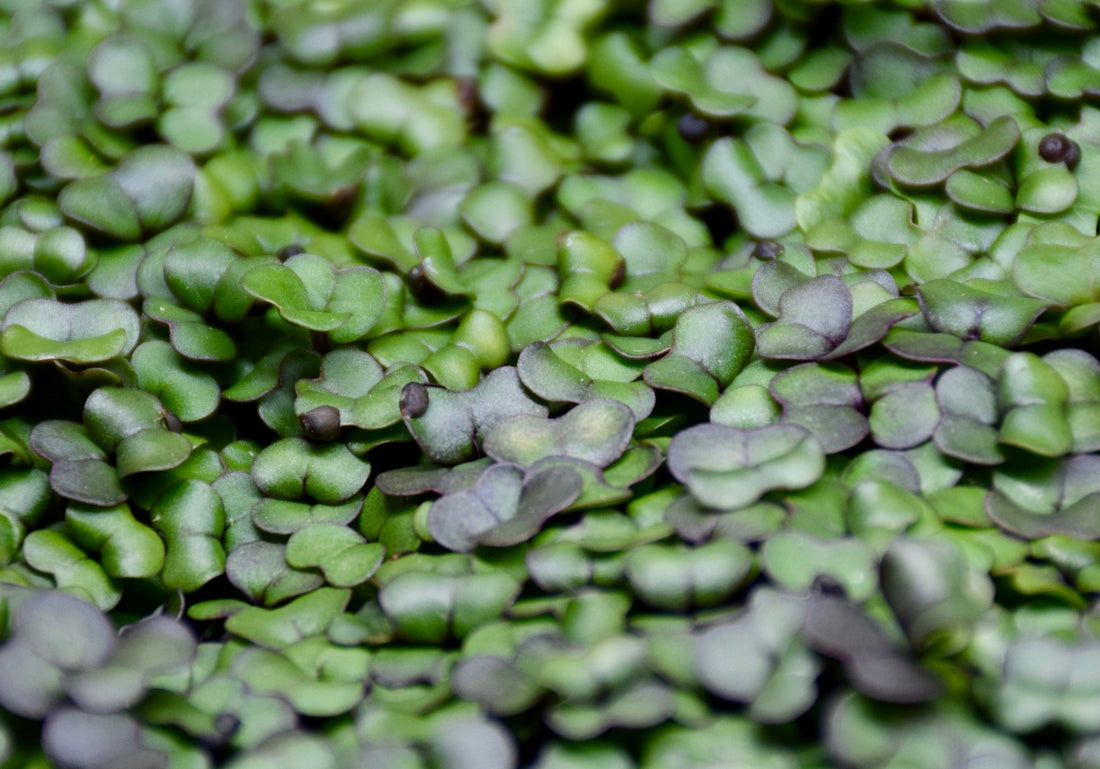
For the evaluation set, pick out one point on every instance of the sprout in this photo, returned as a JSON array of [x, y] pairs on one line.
[[549, 383]]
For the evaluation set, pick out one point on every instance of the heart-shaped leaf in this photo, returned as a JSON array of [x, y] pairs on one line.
[[259, 570], [544, 372], [596, 431], [732, 174], [725, 468], [50, 551], [1048, 190], [1032, 692], [75, 737], [711, 343], [304, 617], [932, 154], [269, 672], [1046, 498], [825, 399], [502, 508], [596, 489], [970, 312], [293, 468], [85, 332], [814, 319], [155, 646], [343, 556], [875, 667], [281, 516], [905, 417], [189, 334], [194, 270], [676, 578], [427, 608], [417, 119], [728, 82], [795, 560], [1059, 266], [79, 468], [310, 292], [780, 680], [494, 683], [422, 479], [126, 547], [936, 613], [189, 393], [1081, 373], [1033, 396], [148, 191], [968, 400], [450, 426], [191, 518], [926, 347]]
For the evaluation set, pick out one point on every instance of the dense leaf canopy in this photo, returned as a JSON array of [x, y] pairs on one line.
[[562, 384]]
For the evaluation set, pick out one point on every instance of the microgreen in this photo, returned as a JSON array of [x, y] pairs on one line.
[[549, 384]]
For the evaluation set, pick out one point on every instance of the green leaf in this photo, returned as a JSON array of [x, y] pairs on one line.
[[924, 160], [938, 613], [732, 174], [905, 417], [1047, 190], [794, 560], [159, 181], [52, 552], [450, 426], [91, 331], [304, 617], [729, 82], [814, 319], [260, 571], [711, 343], [122, 66], [193, 270], [1062, 270], [190, 394], [191, 518], [112, 414], [70, 733], [148, 191], [986, 194], [101, 204], [280, 516], [503, 507], [64, 631], [678, 577], [292, 468], [847, 182], [824, 399], [126, 547], [1030, 697], [428, 608], [725, 468], [462, 742], [969, 312], [494, 683], [596, 431], [778, 680], [150, 450], [345, 558], [1033, 396], [310, 292], [267, 671], [875, 667]]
